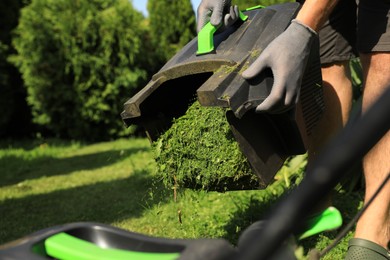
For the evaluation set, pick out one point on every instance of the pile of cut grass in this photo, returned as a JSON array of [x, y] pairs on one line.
[[200, 152]]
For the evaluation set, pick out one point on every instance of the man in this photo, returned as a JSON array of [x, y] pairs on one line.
[[287, 55]]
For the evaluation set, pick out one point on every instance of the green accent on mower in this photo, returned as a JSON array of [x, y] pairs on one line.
[[255, 7], [66, 247], [327, 220]]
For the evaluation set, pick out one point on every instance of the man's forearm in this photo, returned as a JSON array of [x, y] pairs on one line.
[[315, 12]]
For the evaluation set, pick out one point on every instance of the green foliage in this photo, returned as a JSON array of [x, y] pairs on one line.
[[199, 151], [80, 60], [172, 24]]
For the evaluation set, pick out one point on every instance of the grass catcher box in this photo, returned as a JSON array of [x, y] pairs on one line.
[[214, 78]]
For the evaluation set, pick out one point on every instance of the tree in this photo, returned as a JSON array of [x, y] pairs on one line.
[[172, 24], [80, 60]]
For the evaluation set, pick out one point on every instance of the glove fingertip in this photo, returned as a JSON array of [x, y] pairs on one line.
[[232, 13], [256, 67], [261, 108], [247, 74], [216, 19], [252, 71]]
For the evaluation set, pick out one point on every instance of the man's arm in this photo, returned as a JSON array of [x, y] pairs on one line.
[[315, 12]]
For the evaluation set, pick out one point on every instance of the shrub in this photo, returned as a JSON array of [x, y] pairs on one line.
[[79, 61], [172, 24]]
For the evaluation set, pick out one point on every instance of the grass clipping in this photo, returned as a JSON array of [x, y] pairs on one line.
[[200, 152]]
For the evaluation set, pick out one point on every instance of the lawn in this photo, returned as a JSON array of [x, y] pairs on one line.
[[50, 182]]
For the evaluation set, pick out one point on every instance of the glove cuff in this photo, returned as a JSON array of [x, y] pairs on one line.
[[299, 23]]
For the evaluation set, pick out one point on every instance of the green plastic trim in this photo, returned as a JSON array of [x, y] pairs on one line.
[[66, 247], [329, 219], [255, 7], [206, 36], [205, 39], [243, 17]]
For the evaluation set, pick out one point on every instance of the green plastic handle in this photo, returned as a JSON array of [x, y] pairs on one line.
[[206, 36], [327, 220], [66, 247]]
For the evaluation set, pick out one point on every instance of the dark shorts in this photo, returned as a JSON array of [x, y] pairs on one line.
[[338, 34], [373, 33], [341, 37]]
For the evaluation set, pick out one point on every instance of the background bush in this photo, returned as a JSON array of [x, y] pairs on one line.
[[172, 24], [80, 61]]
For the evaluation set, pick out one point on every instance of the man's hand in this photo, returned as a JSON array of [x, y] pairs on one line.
[[286, 56], [216, 11]]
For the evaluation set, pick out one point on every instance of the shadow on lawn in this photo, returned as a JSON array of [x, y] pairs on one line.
[[16, 169], [102, 202], [244, 217]]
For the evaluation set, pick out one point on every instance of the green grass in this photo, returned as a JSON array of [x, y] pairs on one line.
[[55, 182]]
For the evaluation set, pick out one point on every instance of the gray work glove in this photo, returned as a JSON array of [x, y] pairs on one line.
[[287, 57], [214, 11]]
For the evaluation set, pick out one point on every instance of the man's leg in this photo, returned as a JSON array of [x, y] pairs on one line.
[[337, 40], [374, 225], [337, 88]]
